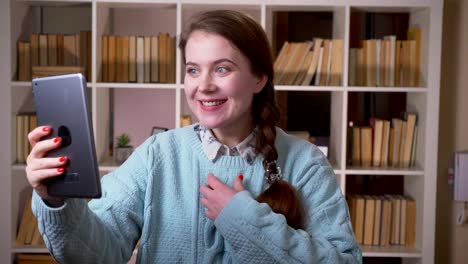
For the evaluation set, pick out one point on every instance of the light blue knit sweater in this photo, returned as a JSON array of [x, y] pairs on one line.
[[155, 195]]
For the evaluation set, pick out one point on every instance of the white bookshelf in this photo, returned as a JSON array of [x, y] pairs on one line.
[[144, 17]]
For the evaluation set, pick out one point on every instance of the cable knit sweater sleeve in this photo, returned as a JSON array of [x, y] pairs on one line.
[[104, 230], [256, 234]]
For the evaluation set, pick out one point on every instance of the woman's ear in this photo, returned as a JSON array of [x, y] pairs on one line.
[[262, 80]]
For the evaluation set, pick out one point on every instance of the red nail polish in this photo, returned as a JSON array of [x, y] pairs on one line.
[[241, 177], [56, 140], [46, 129], [60, 170], [62, 159]]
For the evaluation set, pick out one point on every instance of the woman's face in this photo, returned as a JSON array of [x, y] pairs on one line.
[[219, 84]]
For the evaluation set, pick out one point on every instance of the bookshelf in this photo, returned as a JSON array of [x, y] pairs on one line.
[[21, 17]]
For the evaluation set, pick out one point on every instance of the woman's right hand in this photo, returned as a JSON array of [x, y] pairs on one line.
[[40, 168]]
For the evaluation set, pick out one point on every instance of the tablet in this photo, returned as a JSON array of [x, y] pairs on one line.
[[62, 103]]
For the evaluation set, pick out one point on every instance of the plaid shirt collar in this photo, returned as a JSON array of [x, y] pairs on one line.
[[213, 148]]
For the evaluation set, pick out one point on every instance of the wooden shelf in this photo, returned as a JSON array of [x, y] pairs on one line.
[[390, 252]]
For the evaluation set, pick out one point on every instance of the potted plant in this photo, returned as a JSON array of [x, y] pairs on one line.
[[123, 149]]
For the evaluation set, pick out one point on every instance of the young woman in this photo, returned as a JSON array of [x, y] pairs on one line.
[[232, 188]]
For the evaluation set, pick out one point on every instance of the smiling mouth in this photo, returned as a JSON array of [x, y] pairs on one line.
[[213, 103]]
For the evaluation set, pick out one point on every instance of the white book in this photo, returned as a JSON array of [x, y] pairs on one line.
[[391, 58], [378, 45], [147, 59], [140, 60]]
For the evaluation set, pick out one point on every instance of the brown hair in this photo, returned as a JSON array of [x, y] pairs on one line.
[[249, 37]]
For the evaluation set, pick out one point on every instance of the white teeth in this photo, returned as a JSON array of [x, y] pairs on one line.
[[212, 103]]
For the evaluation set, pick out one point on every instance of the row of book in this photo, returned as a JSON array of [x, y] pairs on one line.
[[141, 59], [28, 232], [383, 220], [299, 62], [54, 50], [386, 61], [384, 143], [24, 124], [34, 259]]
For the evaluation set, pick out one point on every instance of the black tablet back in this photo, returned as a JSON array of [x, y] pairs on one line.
[[62, 103]]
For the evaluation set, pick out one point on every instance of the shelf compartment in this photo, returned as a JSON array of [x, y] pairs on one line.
[[46, 17]]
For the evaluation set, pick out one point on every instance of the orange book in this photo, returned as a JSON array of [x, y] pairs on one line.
[[369, 220], [163, 57], [336, 69], [60, 58], [112, 58], [105, 58], [366, 146], [34, 49]]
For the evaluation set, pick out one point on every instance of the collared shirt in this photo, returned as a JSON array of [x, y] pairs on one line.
[[213, 148]]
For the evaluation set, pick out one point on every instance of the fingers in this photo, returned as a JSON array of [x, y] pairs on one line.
[[213, 182], [40, 148], [238, 185], [37, 177], [45, 163], [36, 134]]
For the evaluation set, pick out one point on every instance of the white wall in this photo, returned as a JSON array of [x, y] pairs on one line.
[[452, 240]]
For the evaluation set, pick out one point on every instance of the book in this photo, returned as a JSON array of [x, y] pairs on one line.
[[34, 49], [281, 61], [303, 69], [26, 227], [60, 50], [377, 145], [366, 146], [369, 219], [410, 222], [105, 58], [147, 59], [386, 221], [315, 61], [318, 74], [336, 69], [408, 142], [69, 50], [377, 221], [385, 143], [356, 159], [132, 58], [140, 59], [24, 61], [112, 58], [360, 213], [414, 33], [163, 57], [352, 73], [403, 220], [43, 57], [154, 59], [324, 70], [52, 49]]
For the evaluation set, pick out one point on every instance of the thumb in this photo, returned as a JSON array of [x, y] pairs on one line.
[[238, 186]]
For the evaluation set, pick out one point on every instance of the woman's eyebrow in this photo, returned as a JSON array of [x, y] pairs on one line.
[[189, 63]]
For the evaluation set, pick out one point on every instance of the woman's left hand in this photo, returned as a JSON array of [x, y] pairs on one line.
[[216, 195]]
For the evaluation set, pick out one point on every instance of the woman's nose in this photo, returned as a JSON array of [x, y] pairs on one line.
[[206, 83]]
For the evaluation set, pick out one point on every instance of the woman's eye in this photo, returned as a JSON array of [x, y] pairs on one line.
[[222, 70], [192, 71]]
